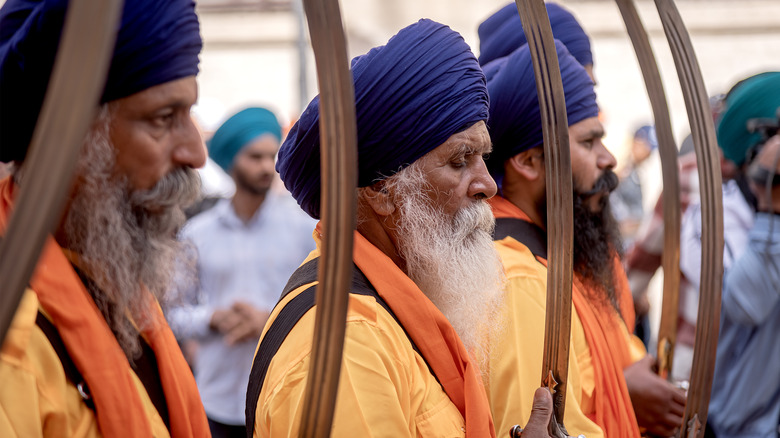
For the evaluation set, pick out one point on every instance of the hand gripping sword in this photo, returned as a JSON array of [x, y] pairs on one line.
[[555, 361], [70, 105], [705, 144], [338, 145], [670, 259]]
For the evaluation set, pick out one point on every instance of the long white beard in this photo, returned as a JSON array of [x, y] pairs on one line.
[[125, 238], [453, 261]]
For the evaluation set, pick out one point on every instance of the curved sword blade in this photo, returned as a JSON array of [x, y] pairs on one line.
[[670, 260], [338, 144], [555, 362], [705, 144], [70, 105]]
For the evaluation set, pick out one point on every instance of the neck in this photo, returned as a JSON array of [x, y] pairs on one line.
[[530, 206], [375, 230], [246, 204]]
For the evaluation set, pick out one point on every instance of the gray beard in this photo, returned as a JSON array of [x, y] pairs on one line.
[[452, 261], [125, 238]]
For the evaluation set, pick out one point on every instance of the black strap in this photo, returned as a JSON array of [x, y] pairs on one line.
[[71, 372], [288, 317], [524, 232], [144, 366]]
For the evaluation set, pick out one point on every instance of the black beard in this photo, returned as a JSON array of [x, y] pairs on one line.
[[596, 241]]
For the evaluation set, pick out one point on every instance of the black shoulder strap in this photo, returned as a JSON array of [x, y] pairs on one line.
[[286, 320], [524, 232], [71, 372]]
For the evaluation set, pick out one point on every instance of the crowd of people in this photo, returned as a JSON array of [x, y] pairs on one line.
[[139, 322]]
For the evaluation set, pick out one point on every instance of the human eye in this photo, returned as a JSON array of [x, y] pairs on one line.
[[459, 162], [162, 118]]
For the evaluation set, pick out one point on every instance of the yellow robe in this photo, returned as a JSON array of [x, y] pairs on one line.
[[515, 369], [36, 399], [385, 388]]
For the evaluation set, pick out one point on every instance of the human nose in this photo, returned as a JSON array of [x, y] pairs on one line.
[[191, 150], [605, 159], [482, 185]]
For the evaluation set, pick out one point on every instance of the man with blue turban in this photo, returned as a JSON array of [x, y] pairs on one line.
[[502, 33], [246, 249], [426, 291], [742, 406], [89, 353], [599, 396]]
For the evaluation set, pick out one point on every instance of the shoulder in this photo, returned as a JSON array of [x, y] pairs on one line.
[[372, 335], [204, 220], [519, 262]]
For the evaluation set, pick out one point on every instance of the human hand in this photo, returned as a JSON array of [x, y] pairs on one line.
[[224, 320], [659, 405], [539, 421], [766, 161], [251, 322]]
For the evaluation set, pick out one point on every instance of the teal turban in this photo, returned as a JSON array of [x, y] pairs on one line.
[[240, 130], [755, 97]]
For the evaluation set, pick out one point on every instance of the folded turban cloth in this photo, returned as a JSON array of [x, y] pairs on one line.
[[502, 33], [411, 95], [647, 134], [755, 97], [240, 130], [158, 41], [515, 122]]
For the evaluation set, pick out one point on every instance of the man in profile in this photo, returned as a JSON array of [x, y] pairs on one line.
[[89, 352], [427, 283]]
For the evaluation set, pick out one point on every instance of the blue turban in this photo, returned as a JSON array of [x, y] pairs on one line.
[[240, 130], [647, 134], [754, 97], [502, 33], [515, 122], [411, 95], [158, 41]]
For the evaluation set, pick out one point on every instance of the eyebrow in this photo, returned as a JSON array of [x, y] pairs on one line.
[[464, 149]]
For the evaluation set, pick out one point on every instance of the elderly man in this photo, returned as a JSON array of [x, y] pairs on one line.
[[89, 352], [427, 282], [602, 347], [502, 33], [247, 247]]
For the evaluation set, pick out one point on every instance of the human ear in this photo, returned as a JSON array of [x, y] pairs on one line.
[[378, 198], [528, 164]]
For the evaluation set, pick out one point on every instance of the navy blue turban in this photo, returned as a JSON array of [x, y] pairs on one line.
[[411, 95], [502, 33], [515, 123], [158, 41], [240, 130]]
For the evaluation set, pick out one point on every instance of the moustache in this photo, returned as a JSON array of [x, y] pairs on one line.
[[606, 183], [179, 188]]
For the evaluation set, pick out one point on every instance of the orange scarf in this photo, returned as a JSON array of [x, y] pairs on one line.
[[432, 333], [613, 411], [95, 352]]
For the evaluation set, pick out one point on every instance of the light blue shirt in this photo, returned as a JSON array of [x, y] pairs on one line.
[[236, 261], [746, 387]]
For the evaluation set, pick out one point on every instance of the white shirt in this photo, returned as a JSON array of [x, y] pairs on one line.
[[236, 261]]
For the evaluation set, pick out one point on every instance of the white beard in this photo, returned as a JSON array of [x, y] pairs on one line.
[[452, 260]]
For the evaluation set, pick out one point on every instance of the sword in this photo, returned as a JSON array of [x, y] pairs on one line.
[[338, 145], [70, 105], [705, 144], [555, 361], [670, 259]]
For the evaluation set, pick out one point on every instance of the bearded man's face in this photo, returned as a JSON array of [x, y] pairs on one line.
[[444, 228], [128, 203]]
